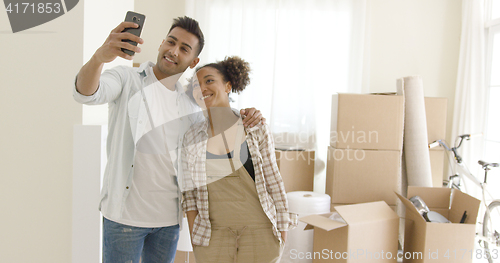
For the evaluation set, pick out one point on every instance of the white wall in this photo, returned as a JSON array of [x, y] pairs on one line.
[[37, 117], [416, 37], [95, 31]]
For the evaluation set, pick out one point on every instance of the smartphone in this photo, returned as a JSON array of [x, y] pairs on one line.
[[138, 19]]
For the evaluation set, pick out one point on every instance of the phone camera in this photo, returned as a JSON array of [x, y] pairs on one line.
[[136, 19]]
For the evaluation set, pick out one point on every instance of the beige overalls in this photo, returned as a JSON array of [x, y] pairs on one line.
[[241, 231]]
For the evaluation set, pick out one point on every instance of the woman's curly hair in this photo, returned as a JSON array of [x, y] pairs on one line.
[[233, 69]]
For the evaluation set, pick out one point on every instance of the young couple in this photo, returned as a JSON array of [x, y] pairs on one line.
[[164, 155]]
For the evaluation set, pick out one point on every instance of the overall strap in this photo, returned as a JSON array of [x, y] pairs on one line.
[[237, 142], [237, 146]]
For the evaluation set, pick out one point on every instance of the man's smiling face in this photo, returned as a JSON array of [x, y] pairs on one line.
[[176, 53]]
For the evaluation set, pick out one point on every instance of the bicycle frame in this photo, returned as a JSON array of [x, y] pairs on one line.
[[463, 172]]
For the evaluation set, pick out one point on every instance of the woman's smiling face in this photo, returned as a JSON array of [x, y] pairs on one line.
[[214, 91]]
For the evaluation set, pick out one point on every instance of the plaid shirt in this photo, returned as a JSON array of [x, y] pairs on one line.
[[268, 181]]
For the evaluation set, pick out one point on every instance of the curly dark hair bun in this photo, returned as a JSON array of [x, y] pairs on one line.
[[233, 69], [237, 71]]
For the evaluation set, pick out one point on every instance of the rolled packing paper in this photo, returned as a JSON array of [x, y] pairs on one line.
[[299, 241], [416, 152]]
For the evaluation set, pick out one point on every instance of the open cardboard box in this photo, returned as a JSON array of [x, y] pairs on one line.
[[370, 234], [440, 242], [332, 206]]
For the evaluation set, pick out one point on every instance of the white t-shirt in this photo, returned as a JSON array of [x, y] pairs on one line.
[[153, 199]]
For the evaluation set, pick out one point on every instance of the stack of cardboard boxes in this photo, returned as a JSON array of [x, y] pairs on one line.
[[364, 156], [363, 172], [363, 175]]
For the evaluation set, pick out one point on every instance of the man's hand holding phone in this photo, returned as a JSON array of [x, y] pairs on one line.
[[113, 45], [121, 42]]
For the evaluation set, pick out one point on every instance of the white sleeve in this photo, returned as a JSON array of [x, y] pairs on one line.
[[110, 87]]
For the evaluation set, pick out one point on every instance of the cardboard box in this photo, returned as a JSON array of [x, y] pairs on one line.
[[393, 207], [296, 169], [440, 242], [359, 176], [367, 121], [370, 234], [436, 110], [332, 206], [437, 166], [182, 257]]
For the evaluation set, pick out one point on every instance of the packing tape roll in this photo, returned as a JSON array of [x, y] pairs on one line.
[[416, 151], [299, 241]]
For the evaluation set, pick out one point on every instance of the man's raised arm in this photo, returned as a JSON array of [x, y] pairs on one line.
[[87, 81]]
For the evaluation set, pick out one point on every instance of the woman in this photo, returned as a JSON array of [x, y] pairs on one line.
[[234, 196]]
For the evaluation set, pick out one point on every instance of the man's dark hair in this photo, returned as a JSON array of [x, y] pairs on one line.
[[191, 26]]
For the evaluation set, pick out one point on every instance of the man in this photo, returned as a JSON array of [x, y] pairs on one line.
[[148, 113]]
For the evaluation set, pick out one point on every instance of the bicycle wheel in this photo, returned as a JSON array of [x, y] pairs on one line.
[[491, 230]]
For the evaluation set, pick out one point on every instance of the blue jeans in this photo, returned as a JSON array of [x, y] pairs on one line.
[[127, 244]]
